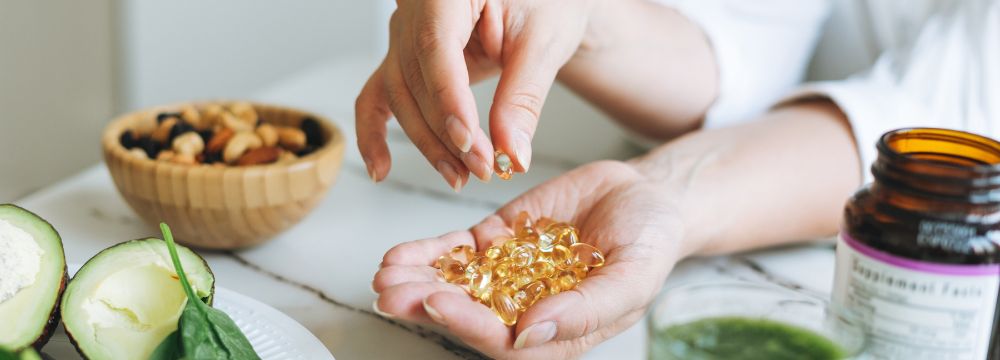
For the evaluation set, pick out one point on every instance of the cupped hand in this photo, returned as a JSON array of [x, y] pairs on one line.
[[614, 209], [436, 49]]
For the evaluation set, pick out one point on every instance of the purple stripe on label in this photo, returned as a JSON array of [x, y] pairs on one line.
[[943, 269]]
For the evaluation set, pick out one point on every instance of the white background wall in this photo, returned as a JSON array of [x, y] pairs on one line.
[[56, 89], [68, 66], [187, 49]]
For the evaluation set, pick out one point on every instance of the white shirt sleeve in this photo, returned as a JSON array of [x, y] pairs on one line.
[[945, 77], [762, 49]]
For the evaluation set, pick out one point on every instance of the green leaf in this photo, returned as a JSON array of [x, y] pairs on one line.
[[28, 353], [206, 332], [7, 354], [169, 349]]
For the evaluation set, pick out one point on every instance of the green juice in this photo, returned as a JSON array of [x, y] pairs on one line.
[[739, 338]]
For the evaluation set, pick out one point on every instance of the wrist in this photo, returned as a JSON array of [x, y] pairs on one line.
[[673, 175]]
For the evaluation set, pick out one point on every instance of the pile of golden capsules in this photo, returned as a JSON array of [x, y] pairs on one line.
[[542, 258]]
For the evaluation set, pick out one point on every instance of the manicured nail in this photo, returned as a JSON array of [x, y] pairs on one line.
[[474, 161], [535, 335], [522, 149], [450, 175], [459, 133], [380, 312], [372, 287], [433, 313], [372, 174]]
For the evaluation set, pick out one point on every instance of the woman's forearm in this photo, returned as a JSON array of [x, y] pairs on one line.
[[782, 178], [646, 65]]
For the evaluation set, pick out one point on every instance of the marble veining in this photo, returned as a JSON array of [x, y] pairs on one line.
[[451, 346]]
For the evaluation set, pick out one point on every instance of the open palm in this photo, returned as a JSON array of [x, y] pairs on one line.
[[637, 230]]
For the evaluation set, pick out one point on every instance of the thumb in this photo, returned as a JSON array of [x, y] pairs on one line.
[[525, 81], [608, 299]]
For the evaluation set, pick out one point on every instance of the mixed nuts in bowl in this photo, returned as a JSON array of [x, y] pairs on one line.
[[226, 174]]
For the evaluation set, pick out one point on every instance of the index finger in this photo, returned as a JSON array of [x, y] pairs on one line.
[[426, 251], [440, 43]]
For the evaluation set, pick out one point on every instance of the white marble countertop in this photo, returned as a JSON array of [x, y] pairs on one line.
[[320, 271]]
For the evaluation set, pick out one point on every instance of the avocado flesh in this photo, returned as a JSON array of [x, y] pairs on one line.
[[29, 316], [126, 299]]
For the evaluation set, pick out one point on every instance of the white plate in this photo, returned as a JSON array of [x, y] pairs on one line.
[[273, 335]]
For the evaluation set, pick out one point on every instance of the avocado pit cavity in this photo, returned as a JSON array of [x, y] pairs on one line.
[[20, 260]]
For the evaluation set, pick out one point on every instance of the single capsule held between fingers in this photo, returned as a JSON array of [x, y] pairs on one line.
[[503, 166], [587, 254], [505, 308]]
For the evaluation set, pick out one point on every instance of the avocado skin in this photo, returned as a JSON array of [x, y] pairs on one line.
[[72, 339], [54, 319]]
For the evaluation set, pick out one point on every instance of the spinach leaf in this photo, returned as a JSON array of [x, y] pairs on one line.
[[169, 349], [8, 354], [27, 353], [205, 332]]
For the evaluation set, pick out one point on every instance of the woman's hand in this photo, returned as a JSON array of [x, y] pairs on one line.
[[614, 208], [436, 48]]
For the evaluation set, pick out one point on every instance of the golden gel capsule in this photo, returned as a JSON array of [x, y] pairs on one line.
[[503, 166], [451, 270], [463, 253], [504, 307], [587, 255], [543, 258]]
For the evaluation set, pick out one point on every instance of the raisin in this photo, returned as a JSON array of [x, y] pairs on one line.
[[206, 135], [128, 139], [178, 130], [314, 132], [211, 157], [309, 149], [151, 147], [163, 116]]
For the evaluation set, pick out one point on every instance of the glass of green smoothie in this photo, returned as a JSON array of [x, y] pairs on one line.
[[749, 321]]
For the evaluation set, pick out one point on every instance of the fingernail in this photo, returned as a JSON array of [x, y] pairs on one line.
[[474, 161], [380, 312], [460, 135], [522, 149], [535, 335], [372, 174], [450, 175], [372, 287], [433, 313]]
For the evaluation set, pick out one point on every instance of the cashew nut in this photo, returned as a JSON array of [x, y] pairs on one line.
[[239, 144]]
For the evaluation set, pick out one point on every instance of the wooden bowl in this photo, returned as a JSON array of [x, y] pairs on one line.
[[223, 207]]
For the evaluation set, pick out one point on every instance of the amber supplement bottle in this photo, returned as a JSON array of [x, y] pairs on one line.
[[918, 259]]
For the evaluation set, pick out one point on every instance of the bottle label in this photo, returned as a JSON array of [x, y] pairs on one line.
[[916, 310]]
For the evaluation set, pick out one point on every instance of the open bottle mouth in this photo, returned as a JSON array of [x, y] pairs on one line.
[[942, 163]]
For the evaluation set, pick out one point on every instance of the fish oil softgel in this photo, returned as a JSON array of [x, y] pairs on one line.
[[504, 167], [542, 258]]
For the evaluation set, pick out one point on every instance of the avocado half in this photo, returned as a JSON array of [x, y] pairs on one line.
[[125, 300], [32, 278]]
